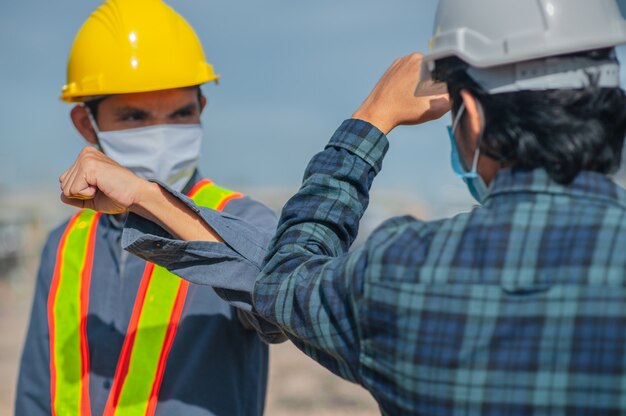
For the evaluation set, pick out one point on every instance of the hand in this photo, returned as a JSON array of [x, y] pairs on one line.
[[392, 102], [97, 182]]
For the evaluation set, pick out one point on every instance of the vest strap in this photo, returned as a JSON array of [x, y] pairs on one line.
[[68, 302]]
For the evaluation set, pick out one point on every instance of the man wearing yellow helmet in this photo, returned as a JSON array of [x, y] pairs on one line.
[[109, 332]]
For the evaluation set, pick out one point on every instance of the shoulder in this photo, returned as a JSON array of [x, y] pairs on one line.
[[54, 237], [402, 244], [404, 227]]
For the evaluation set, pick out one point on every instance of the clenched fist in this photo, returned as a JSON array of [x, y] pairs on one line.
[[97, 182]]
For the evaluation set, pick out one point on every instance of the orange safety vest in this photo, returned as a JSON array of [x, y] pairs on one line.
[[158, 306]]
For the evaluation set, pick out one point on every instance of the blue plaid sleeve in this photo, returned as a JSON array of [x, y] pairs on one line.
[[309, 285]]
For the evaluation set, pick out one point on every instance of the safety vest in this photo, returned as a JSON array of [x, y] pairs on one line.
[[156, 313]]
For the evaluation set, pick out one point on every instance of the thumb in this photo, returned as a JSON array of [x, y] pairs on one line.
[[88, 192], [75, 202]]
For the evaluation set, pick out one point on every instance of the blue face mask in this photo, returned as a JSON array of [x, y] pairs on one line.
[[475, 184]]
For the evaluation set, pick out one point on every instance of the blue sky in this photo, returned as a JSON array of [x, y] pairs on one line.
[[291, 72]]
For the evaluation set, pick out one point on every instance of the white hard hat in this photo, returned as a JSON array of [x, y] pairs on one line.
[[513, 45]]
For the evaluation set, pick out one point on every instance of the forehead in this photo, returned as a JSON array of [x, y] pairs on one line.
[[153, 101]]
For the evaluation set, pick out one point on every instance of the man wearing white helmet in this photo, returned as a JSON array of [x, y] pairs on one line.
[[110, 333], [517, 307]]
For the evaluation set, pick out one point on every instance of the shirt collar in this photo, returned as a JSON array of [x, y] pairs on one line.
[[195, 178], [529, 183]]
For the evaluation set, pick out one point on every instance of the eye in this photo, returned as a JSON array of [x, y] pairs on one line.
[[184, 113], [133, 116]]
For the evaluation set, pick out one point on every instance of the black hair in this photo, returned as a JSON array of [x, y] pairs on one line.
[[92, 105], [561, 131]]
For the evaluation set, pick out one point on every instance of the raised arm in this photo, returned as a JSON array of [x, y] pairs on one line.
[[310, 286]]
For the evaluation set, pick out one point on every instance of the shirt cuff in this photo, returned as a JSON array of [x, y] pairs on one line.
[[362, 139], [151, 242]]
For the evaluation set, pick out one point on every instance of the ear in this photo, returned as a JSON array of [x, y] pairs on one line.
[[473, 125], [80, 118]]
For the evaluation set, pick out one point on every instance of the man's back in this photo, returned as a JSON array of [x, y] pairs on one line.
[[515, 308]]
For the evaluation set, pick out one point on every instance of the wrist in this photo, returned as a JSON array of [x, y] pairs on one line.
[[157, 205], [146, 199], [376, 120]]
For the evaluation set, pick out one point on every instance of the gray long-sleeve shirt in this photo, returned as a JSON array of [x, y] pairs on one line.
[[217, 365]]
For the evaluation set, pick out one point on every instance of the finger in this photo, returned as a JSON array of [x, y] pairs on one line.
[[68, 181], [81, 188], [69, 175], [76, 183], [64, 175], [77, 186], [88, 192]]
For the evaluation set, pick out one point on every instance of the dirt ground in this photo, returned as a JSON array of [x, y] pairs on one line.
[[297, 385]]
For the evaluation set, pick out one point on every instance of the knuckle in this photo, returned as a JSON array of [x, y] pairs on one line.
[[88, 153], [75, 189], [89, 162], [414, 58]]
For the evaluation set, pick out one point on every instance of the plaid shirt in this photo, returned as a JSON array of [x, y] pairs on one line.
[[515, 308]]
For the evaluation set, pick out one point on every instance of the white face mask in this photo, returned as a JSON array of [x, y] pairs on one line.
[[165, 152]]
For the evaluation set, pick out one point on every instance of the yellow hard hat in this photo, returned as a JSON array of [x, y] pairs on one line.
[[134, 46]]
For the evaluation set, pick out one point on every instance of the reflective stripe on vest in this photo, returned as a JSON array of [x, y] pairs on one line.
[[68, 301], [151, 331]]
